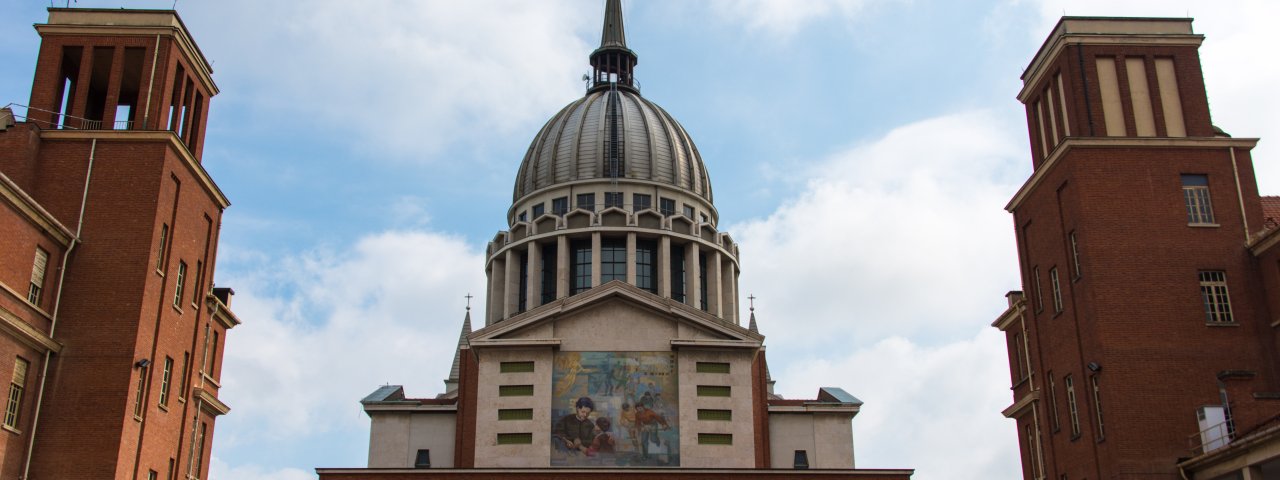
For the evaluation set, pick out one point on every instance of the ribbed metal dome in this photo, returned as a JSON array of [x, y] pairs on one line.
[[608, 133]]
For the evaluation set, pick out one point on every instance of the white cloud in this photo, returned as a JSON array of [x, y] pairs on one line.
[[406, 79], [935, 409], [903, 236], [325, 328], [1240, 77], [783, 18]]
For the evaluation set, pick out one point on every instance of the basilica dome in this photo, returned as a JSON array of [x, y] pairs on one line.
[[613, 133]]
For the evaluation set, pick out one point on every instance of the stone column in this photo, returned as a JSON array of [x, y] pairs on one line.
[[562, 266], [1252, 472], [497, 280], [729, 289], [511, 304], [664, 267], [693, 275], [595, 259], [631, 258], [714, 299], [535, 275]]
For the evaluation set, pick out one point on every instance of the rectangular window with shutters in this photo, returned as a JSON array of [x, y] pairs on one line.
[[166, 376], [715, 439], [38, 269], [515, 390], [515, 438], [515, 367], [713, 367], [715, 415], [177, 284], [714, 391], [515, 414], [16, 388]]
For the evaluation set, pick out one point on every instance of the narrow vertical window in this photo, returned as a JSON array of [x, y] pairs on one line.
[[17, 385], [677, 273], [164, 242], [1071, 406], [613, 260], [185, 375], [1053, 403], [646, 267], [1033, 463], [1213, 291], [198, 287], [640, 201], [1075, 253], [1016, 347], [1195, 190], [166, 377], [38, 268], [177, 284], [204, 359], [587, 201], [213, 355], [1097, 406], [1057, 289], [140, 392], [523, 293], [702, 281], [152, 475], [581, 266], [1035, 272], [198, 458], [549, 264]]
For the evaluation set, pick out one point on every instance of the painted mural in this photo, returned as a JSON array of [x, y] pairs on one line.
[[615, 409]]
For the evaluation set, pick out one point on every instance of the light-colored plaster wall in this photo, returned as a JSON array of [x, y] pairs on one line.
[[615, 326], [827, 437], [742, 453], [396, 437], [488, 453]]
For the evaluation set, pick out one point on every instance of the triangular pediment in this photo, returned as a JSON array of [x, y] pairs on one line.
[[616, 317]]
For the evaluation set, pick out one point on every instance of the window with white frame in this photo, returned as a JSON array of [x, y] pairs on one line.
[[1053, 403], [164, 242], [1071, 406], [38, 269], [1195, 189], [1213, 291], [16, 387], [178, 284], [1057, 289], [166, 376]]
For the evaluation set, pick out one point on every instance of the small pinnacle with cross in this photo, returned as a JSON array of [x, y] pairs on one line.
[[469, 297], [752, 298]]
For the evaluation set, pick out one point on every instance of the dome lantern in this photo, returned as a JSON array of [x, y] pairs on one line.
[[613, 64]]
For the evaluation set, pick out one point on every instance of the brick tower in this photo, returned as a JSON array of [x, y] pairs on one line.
[[1145, 343], [115, 329]]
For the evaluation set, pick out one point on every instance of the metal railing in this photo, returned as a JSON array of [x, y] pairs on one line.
[[1210, 439], [62, 123]]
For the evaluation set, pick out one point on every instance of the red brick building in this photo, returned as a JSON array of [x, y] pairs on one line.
[[1144, 342], [107, 306]]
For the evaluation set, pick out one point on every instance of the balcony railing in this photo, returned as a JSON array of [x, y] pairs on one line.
[[68, 122], [1210, 439]]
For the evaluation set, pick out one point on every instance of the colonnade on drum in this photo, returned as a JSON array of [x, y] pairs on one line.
[[542, 269]]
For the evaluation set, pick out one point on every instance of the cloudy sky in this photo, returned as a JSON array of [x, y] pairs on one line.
[[861, 150]]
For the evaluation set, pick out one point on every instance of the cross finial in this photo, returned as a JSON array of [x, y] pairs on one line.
[[752, 298], [469, 297]]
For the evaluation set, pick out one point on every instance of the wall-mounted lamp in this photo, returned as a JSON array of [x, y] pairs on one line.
[[1094, 367], [142, 363]]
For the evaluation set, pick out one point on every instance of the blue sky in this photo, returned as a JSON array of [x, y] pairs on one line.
[[861, 153]]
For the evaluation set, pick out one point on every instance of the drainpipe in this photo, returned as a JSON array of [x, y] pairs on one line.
[[1240, 194], [53, 320]]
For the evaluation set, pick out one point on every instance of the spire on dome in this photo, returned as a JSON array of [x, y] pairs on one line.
[[614, 35], [613, 63]]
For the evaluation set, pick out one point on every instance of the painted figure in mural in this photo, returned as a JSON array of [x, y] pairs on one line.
[[575, 432], [604, 441], [649, 423], [628, 421]]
